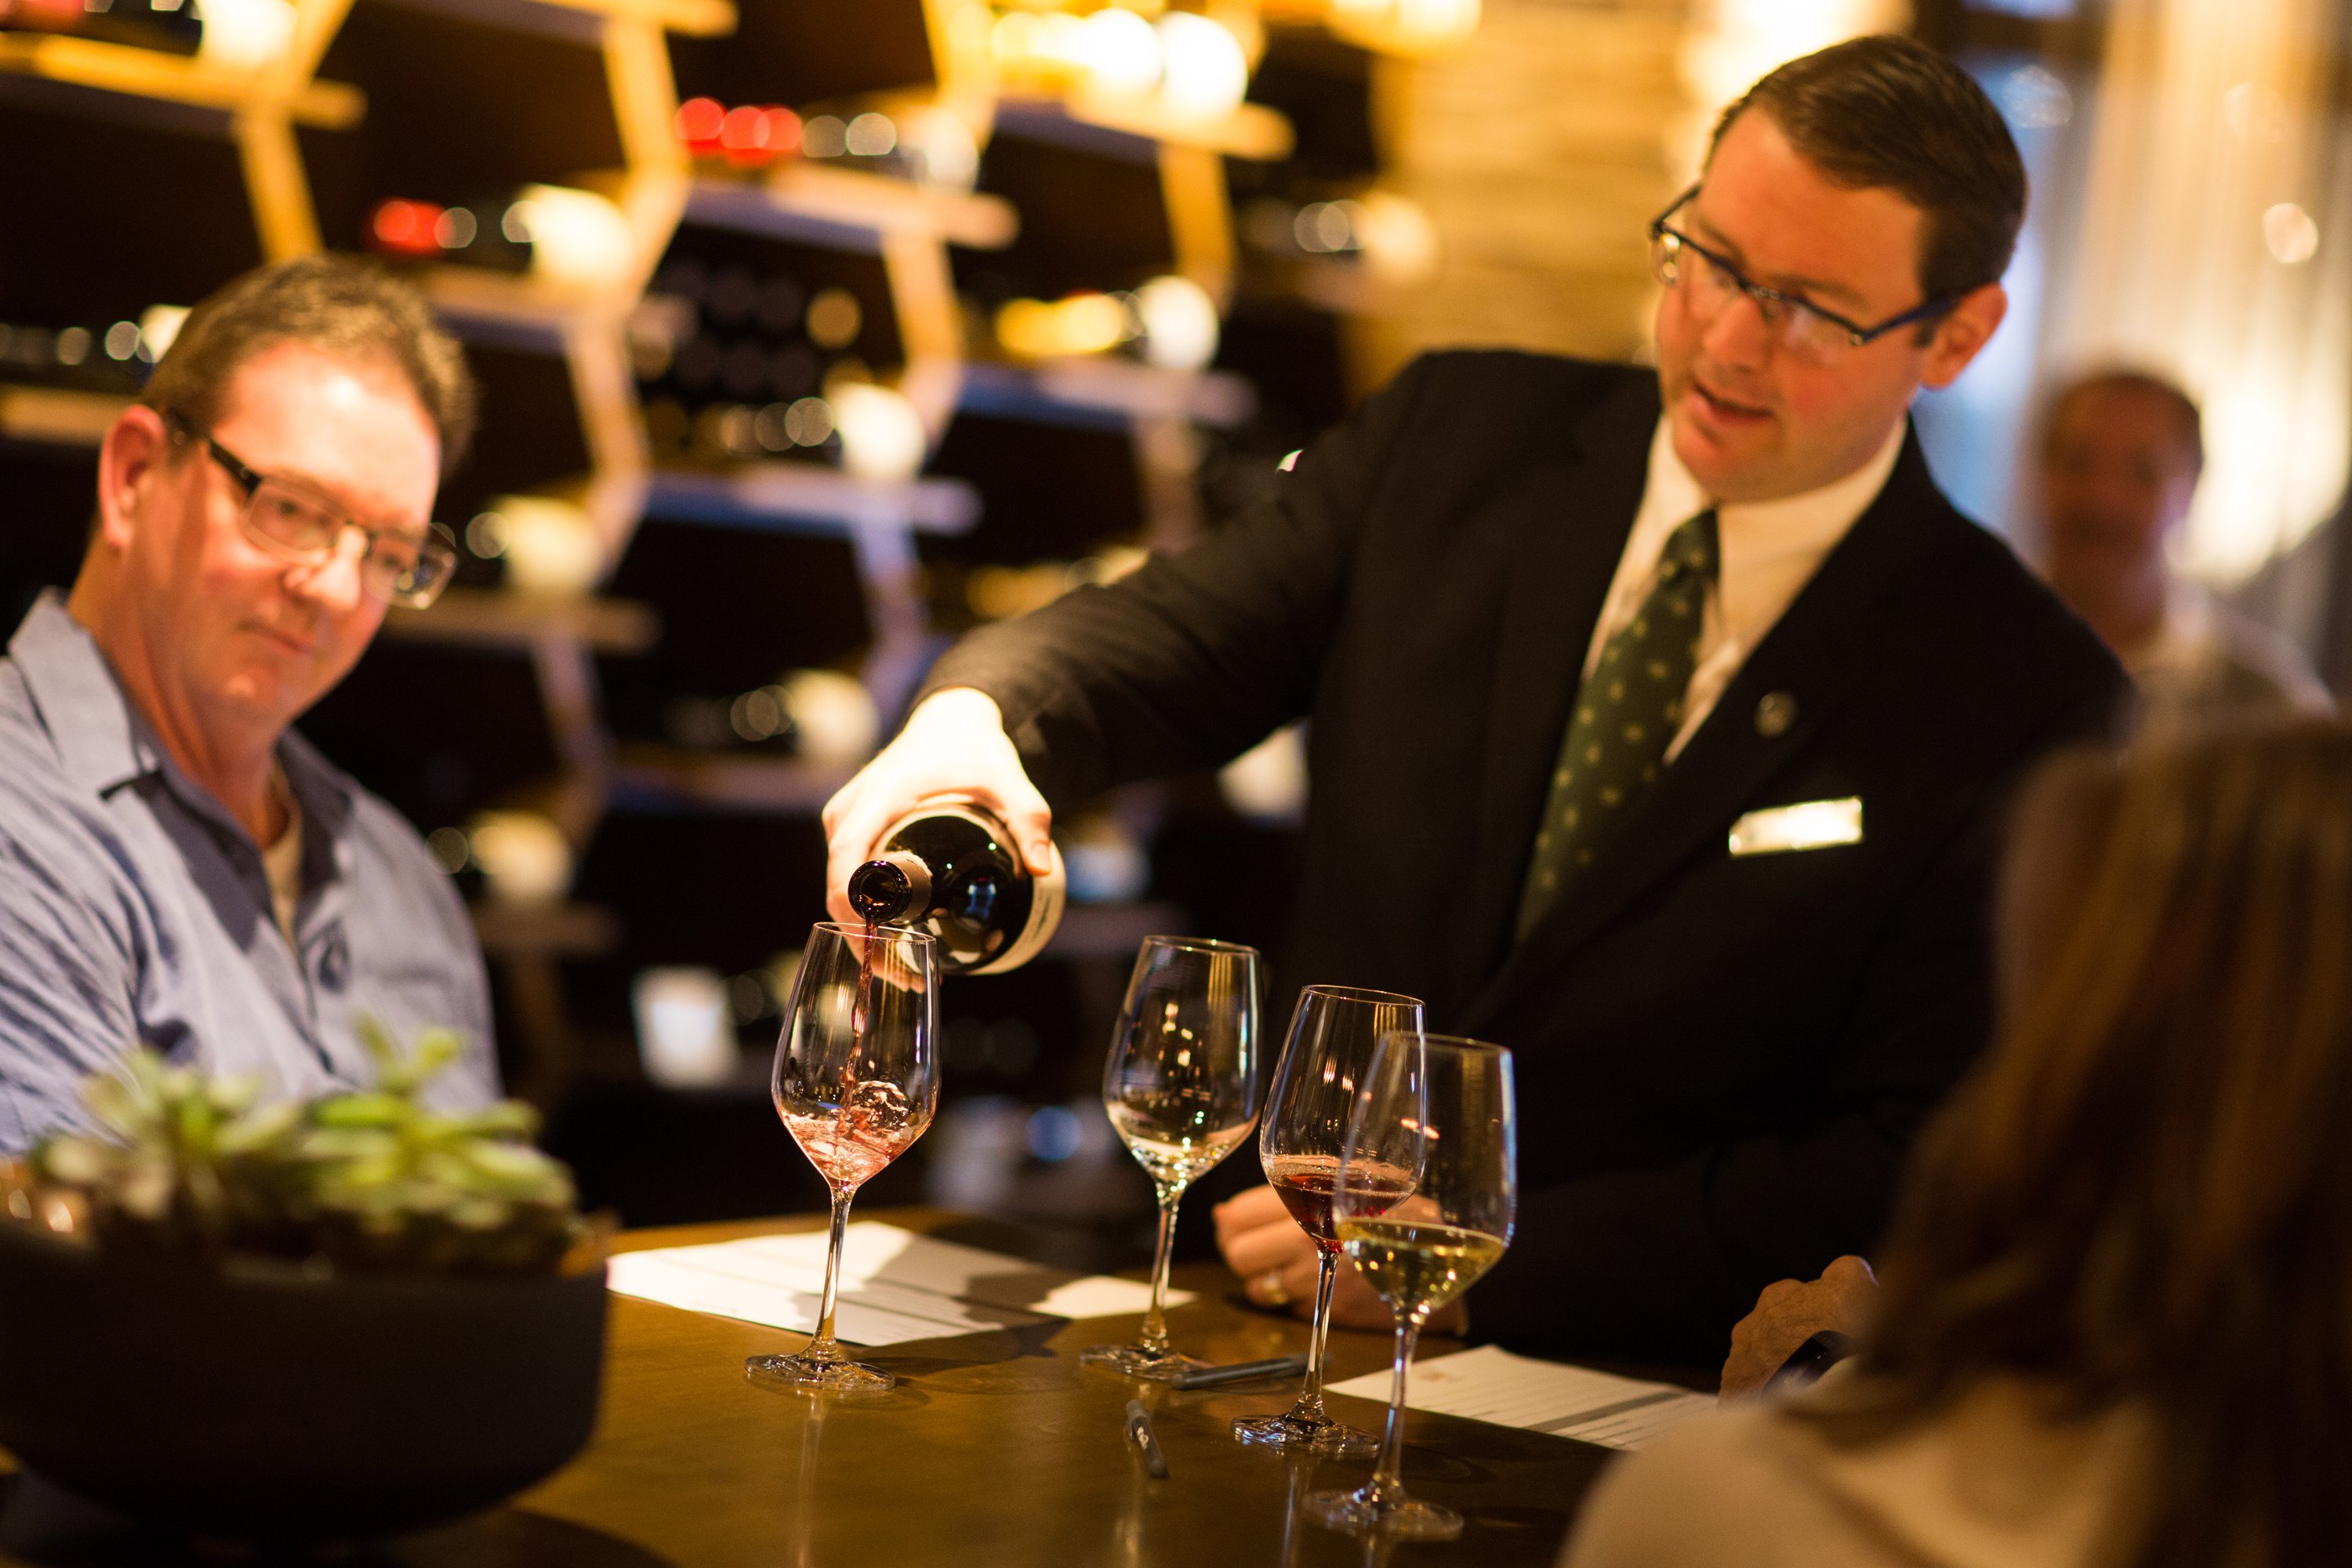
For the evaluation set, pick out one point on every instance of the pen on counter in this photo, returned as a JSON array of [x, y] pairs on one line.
[[1240, 1372], [1139, 1433]]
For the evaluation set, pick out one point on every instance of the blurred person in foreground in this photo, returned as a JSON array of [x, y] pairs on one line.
[[2120, 456], [2115, 1327], [178, 868], [1662, 719]]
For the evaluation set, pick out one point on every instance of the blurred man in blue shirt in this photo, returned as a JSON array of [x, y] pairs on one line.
[[177, 868]]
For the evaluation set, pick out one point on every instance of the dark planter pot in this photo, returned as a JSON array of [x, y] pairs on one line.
[[256, 1405]]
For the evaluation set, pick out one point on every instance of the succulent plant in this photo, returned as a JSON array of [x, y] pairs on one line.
[[190, 1161], [369, 1181]]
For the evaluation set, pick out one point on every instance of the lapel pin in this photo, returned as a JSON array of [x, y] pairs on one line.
[[1774, 713]]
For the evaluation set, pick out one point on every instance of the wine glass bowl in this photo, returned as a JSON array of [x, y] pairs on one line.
[[1442, 1111], [855, 1083], [1334, 1032], [1182, 1091]]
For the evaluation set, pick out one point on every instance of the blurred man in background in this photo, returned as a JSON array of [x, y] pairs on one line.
[[2120, 458], [179, 869]]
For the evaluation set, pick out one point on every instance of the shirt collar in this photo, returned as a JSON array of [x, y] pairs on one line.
[[1811, 521], [1769, 550], [102, 741]]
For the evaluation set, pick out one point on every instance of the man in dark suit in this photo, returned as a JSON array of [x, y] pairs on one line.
[[1662, 722]]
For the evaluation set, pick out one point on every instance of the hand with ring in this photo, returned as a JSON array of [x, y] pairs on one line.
[[1276, 1261]]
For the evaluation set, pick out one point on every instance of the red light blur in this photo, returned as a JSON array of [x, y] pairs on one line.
[[405, 228], [698, 123], [784, 131], [744, 136]]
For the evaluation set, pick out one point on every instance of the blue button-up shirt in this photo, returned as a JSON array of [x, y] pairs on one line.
[[134, 909]]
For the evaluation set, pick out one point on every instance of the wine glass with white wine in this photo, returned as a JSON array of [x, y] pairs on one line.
[[856, 1082], [1181, 1089], [1440, 1109], [1334, 1031]]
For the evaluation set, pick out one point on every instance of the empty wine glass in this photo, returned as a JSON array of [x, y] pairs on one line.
[[1334, 1031], [1181, 1089], [1441, 1109], [856, 1081]]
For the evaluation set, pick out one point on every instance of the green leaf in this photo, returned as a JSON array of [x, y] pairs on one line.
[[367, 1108]]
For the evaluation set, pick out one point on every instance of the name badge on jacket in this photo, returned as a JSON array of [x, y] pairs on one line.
[[1809, 825]]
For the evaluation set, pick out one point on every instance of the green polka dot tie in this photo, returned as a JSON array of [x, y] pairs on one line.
[[1627, 712]]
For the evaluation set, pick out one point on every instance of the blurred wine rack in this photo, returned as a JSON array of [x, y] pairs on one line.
[[717, 561]]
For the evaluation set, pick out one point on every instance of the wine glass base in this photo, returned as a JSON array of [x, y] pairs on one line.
[[1396, 1519], [1305, 1435], [827, 1376], [1136, 1360]]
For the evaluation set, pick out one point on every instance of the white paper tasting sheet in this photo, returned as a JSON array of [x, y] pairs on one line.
[[895, 1285], [1491, 1385]]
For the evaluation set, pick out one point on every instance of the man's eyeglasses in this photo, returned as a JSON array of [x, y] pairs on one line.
[[1798, 325], [296, 523]]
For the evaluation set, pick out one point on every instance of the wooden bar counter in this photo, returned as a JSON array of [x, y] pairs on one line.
[[996, 1449]]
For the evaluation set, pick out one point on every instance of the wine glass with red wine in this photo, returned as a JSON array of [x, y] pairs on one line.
[[1333, 1033], [856, 1082]]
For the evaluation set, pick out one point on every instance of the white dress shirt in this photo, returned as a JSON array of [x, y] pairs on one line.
[[1767, 551]]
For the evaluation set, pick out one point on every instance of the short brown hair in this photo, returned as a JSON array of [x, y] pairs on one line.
[[2145, 384], [342, 305], [2143, 1199], [1889, 112]]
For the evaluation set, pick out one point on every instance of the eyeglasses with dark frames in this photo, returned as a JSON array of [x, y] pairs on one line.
[[1803, 328], [296, 523]]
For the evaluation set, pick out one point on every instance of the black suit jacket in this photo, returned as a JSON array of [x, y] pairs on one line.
[[1722, 1061]]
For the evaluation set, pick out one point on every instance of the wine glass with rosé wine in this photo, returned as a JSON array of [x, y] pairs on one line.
[[1181, 1088], [1333, 1033], [856, 1082]]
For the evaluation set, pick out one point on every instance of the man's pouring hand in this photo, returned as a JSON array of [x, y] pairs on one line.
[[1791, 1312], [954, 745]]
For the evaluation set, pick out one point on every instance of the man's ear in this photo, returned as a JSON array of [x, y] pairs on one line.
[[137, 447], [1961, 335]]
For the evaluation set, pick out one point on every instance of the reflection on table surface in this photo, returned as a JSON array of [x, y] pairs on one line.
[[996, 1449]]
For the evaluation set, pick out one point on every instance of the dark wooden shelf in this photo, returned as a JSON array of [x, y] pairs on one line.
[[156, 76], [545, 931], [585, 18], [56, 417], [491, 618], [848, 207], [809, 498], [658, 778], [1252, 130], [1102, 391]]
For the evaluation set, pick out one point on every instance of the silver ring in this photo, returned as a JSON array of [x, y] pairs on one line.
[[1271, 1289]]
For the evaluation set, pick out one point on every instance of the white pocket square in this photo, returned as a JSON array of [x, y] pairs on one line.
[[1809, 825]]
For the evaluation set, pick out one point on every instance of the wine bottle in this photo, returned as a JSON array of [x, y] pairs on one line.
[[952, 869], [110, 360], [168, 28], [476, 236]]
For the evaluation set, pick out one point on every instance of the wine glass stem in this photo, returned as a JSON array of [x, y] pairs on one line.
[[1387, 1483], [1155, 1321], [1310, 1393], [824, 1347]]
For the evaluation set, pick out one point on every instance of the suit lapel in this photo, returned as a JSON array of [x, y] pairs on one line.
[[1813, 655], [1575, 515]]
